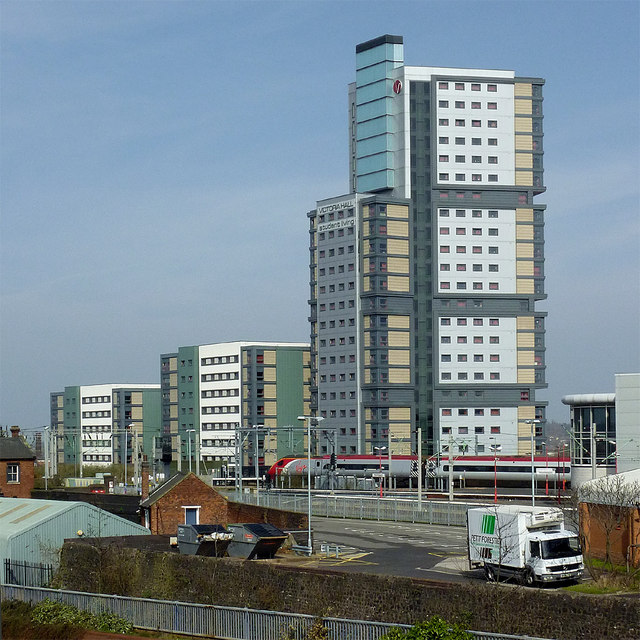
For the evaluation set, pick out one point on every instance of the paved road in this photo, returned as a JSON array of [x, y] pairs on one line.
[[402, 549]]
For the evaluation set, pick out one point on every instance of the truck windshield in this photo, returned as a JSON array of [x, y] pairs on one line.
[[560, 548]]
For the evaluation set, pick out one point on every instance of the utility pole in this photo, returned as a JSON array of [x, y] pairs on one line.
[[420, 469]]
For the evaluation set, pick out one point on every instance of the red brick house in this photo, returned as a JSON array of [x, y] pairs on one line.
[[16, 466], [185, 499]]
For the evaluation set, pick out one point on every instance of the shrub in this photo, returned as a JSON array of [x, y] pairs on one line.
[[433, 629]]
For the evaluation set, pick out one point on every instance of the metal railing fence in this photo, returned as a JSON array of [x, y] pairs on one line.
[[364, 507], [214, 621]]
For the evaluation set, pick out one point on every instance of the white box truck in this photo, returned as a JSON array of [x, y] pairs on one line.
[[530, 543]]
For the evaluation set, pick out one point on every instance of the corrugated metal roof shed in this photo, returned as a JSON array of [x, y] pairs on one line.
[[34, 530]]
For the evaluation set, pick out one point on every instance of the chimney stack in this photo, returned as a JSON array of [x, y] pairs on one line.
[[15, 431]]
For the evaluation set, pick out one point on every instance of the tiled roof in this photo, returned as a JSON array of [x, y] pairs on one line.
[[15, 449], [163, 489]]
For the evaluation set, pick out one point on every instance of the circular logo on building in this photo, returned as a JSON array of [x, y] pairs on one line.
[[397, 86]]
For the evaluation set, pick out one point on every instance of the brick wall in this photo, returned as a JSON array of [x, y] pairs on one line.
[[509, 609], [24, 487], [168, 511], [603, 526]]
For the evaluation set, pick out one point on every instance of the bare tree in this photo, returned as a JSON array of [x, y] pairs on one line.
[[605, 507]]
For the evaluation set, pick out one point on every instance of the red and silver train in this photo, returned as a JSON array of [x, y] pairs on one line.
[[471, 468]]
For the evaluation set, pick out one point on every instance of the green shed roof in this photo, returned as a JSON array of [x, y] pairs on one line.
[[34, 530]]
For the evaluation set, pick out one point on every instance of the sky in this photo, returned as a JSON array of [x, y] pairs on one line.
[[158, 160]]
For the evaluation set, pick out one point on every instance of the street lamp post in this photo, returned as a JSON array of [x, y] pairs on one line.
[[46, 458], [495, 447], [308, 420], [189, 432], [533, 424], [379, 450]]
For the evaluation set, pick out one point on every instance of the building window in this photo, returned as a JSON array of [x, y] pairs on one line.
[[493, 142], [476, 141], [443, 176], [476, 159], [444, 231], [460, 159], [459, 104], [445, 267], [443, 103], [493, 177], [445, 285], [461, 249], [460, 86], [443, 140], [444, 249], [443, 85], [13, 473], [494, 376], [492, 87], [492, 124], [475, 105], [443, 158], [443, 122], [493, 286], [460, 122], [475, 123], [444, 213], [475, 86], [493, 159]]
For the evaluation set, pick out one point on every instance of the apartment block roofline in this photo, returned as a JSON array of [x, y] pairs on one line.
[[376, 42]]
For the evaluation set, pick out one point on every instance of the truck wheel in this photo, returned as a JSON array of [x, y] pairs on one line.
[[489, 573], [528, 577]]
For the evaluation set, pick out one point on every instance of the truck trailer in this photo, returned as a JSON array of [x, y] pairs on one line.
[[530, 543]]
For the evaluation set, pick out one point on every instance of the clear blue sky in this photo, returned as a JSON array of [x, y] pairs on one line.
[[159, 158]]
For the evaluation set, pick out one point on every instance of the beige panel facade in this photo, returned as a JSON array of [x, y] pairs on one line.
[[526, 340], [173, 395], [399, 376], [522, 125], [400, 413], [522, 107], [366, 283], [524, 161], [173, 380], [525, 359], [525, 323], [524, 178], [399, 339], [136, 413], [269, 390], [398, 322], [397, 211], [367, 339], [524, 143], [524, 267], [397, 228], [398, 283], [270, 357], [269, 374], [524, 285], [399, 356], [270, 408], [365, 228], [524, 232], [526, 376], [524, 250], [397, 246], [398, 265], [523, 89]]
